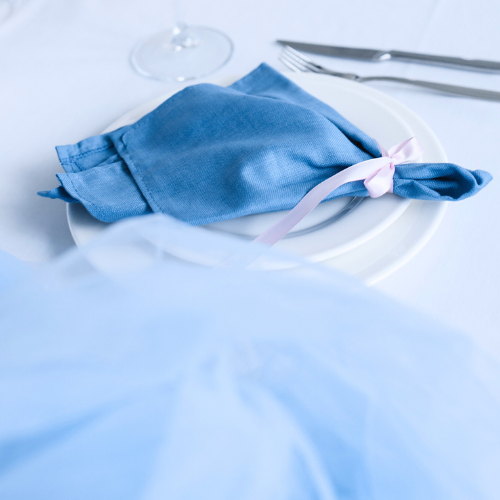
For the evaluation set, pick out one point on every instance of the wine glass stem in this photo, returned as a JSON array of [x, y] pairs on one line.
[[181, 39], [179, 24]]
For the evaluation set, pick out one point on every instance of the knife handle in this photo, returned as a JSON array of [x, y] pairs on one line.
[[472, 64], [488, 95]]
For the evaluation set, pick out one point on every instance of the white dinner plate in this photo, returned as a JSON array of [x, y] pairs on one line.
[[381, 117], [366, 221]]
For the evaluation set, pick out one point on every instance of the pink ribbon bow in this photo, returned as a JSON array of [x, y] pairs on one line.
[[377, 173]]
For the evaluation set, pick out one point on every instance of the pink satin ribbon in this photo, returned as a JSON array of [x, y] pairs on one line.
[[377, 173]]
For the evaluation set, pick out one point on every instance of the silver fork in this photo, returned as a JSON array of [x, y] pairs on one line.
[[296, 61]]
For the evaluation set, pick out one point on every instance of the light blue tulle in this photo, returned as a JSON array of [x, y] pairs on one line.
[[129, 373]]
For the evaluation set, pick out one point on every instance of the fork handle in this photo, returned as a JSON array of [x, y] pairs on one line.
[[488, 95]]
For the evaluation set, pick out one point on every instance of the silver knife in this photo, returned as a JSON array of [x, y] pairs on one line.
[[385, 55]]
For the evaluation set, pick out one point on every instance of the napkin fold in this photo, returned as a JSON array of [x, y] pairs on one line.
[[211, 153]]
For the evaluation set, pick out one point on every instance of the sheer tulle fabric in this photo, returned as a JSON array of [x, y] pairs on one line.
[[129, 373]]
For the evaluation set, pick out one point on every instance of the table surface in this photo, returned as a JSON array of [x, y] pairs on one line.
[[64, 75]]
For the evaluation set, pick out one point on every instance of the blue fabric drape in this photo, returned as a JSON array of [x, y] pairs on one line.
[[211, 153]]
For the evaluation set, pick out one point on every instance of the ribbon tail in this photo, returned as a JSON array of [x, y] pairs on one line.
[[377, 173], [313, 198]]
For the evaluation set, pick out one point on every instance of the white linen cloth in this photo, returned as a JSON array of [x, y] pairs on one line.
[[64, 75]]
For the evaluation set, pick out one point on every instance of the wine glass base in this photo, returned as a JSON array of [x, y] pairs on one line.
[[203, 51]]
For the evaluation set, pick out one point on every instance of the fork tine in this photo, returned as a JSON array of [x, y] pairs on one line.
[[298, 61], [289, 65], [298, 55], [296, 64], [304, 64]]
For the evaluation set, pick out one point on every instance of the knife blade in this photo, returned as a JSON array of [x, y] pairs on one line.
[[385, 55]]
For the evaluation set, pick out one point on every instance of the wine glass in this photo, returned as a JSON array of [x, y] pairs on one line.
[[181, 53]]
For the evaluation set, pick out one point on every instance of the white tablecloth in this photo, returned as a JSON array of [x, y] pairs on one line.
[[64, 75]]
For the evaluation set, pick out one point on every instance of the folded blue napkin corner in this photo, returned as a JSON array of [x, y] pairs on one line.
[[211, 153]]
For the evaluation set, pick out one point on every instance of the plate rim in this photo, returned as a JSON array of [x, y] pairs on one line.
[[433, 217], [318, 252]]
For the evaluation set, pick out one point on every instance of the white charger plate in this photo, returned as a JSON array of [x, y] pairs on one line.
[[381, 117], [369, 218]]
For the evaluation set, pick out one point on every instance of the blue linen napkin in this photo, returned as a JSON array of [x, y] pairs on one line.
[[211, 153]]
